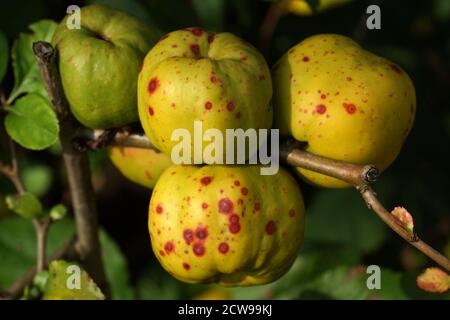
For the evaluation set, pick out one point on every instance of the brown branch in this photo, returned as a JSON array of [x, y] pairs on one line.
[[293, 155], [41, 228], [360, 176], [270, 22], [77, 167], [97, 139], [12, 171]]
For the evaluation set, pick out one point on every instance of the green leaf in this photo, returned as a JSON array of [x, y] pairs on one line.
[[63, 284], [26, 205], [26, 70], [32, 123], [340, 217], [58, 212], [4, 53], [40, 280], [18, 252]]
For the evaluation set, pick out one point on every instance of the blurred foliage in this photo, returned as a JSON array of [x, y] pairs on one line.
[[342, 235], [18, 252]]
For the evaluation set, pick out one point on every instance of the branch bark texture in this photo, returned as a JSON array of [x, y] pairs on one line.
[[77, 168]]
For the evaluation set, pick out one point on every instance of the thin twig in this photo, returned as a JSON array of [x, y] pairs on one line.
[[12, 171], [372, 201], [95, 139], [77, 167], [41, 228], [360, 177]]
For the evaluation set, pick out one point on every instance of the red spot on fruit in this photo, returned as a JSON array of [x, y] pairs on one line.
[[349, 78], [257, 206], [350, 107], [270, 227], [153, 85], [322, 96], [262, 77], [199, 249], [244, 191], [230, 106], [208, 105], [237, 183], [148, 175], [197, 31], [234, 227], [234, 219], [206, 180], [151, 112], [395, 68], [162, 253], [159, 209], [195, 49], [240, 201], [225, 205], [204, 205], [238, 115], [321, 109], [201, 233], [291, 213], [169, 246], [223, 247], [211, 37], [305, 59], [243, 58], [214, 79], [188, 235], [186, 266]]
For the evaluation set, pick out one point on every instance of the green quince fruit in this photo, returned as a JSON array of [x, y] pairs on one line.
[[99, 65], [344, 102], [226, 224]]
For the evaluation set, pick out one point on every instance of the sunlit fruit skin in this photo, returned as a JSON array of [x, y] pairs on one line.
[[226, 224], [99, 65], [193, 74], [142, 166], [346, 103], [303, 8]]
